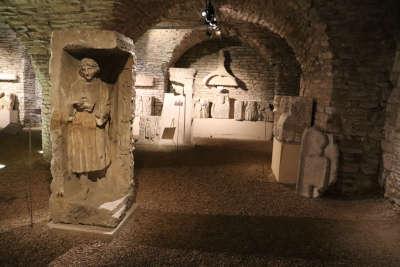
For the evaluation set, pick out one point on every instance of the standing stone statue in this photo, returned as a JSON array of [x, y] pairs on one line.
[[88, 122], [239, 114], [318, 163], [251, 111], [221, 107]]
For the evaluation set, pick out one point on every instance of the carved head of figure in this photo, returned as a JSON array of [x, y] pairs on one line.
[[89, 69]]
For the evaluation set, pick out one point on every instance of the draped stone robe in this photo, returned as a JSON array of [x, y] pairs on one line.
[[88, 142]]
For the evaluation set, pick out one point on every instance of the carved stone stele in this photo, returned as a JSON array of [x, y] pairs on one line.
[[293, 115], [92, 161], [318, 163], [251, 111], [239, 110], [221, 107]]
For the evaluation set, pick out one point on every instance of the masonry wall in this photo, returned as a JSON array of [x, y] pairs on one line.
[[390, 178], [364, 50], [15, 60], [257, 76], [154, 51]]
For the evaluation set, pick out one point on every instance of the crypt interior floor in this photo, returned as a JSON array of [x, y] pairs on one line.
[[209, 206]]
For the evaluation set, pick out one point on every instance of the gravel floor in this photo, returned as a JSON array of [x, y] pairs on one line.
[[209, 206]]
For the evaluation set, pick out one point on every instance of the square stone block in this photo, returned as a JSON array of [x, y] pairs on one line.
[[285, 161]]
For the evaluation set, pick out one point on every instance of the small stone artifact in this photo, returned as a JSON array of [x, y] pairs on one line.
[[239, 110], [221, 107], [318, 163], [251, 111]]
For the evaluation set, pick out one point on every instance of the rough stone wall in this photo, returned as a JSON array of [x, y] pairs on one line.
[[391, 143], [363, 51], [154, 51], [15, 60], [257, 75]]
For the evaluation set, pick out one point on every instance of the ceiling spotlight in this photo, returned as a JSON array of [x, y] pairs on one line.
[[210, 19], [2, 166]]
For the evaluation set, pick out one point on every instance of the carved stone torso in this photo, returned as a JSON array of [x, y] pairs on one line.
[[251, 112]]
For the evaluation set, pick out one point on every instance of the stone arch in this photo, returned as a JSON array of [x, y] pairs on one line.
[[266, 44], [295, 21]]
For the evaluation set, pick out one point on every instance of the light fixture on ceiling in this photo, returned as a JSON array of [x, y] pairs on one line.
[[210, 19]]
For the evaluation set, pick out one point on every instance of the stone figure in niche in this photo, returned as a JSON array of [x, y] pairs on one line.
[[239, 110], [221, 107], [150, 129], [318, 163], [251, 111], [88, 122]]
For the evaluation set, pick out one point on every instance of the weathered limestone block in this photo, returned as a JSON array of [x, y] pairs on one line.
[[92, 160], [318, 163], [239, 110], [285, 161], [202, 109], [293, 116], [221, 107], [251, 111]]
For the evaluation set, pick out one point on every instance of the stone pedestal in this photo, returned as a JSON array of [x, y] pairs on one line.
[[285, 161]]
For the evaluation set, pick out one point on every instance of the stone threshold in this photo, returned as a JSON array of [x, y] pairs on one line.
[[99, 231]]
